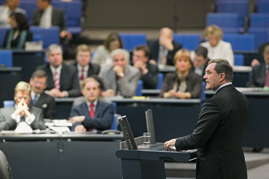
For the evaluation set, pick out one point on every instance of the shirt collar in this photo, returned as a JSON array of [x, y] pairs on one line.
[[80, 67], [33, 95], [95, 103], [57, 69], [48, 9], [221, 86]]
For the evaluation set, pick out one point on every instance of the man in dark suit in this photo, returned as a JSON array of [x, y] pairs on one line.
[[62, 79], [260, 73], [47, 16], [40, 99], [163, 50], [148, 72], [92, 114], [84, 67], [219, 132], [200, 60], [21, 117]]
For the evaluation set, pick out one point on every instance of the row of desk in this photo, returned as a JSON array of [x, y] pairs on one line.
[[68, 155]]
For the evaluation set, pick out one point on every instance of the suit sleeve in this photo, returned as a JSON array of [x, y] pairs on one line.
[[75, 112], [51, 109], [103, 122], [150, 80], [206, 125], [35, 21], [62, 21], [252, 77], [39, 124], [6, 123], [197, 88], [165, 87], [171, 53], [75, 89], [128, 87]]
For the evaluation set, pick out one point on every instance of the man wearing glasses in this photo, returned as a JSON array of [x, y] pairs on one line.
[[40, 99], [21, 117]]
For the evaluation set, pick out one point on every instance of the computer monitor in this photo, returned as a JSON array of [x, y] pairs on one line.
[[150, 126], [127, 132]]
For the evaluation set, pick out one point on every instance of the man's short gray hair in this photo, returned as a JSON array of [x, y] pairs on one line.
[[119, 51], [53, 47], [223, 66]]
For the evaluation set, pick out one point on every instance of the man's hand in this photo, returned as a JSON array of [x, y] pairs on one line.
[[108, 93], [166, 42], [65, 33], [170, 93], [181, 95], [152, 62], [171, 142], [118, 70], [80, 128], [141, 66], [54, 92], [62, 95], [255, 62], [77, 119], [22, 109]]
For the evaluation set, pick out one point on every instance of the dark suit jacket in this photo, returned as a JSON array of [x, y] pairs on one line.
[[103, 119], [194, 83], [258, 76], [94, 69], [47, 104], [150, 79], [7, 123], [218, 135], [57, 18], [260, 52], [14, 43], [68, 79], [154, 51]]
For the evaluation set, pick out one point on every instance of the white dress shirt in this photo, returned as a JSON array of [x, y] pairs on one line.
[[86, 68], [4, 14], [45, 20]]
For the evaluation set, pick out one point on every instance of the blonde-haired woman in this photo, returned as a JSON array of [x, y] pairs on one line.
[[217, 48], [183, 83]]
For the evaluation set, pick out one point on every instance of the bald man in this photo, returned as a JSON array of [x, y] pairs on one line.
[[164, 49]]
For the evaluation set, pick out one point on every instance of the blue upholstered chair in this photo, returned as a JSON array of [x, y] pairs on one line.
[[139, 88], [49, 35], [189, 41], [132, 40], [228, 22], [160, 81], [8, 103], [6, 58]]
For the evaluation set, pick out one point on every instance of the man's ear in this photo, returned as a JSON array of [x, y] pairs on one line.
[[82, 91], [222, 77]]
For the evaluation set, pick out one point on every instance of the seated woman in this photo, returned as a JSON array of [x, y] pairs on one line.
[[216, 47], [19, 34], [102, 53], [184, 83]]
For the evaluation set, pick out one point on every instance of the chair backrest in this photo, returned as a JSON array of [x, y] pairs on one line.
[[228, 22], [240, 42], [8, 103], [29, 7], [114, 125], [49, 35], [139, 88], [238, 59], [130, 41], [160, 81], [262, 6], [189, 41], [260, 34], [6, 58]]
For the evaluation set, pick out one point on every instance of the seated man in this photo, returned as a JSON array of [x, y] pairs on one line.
[[163, 50], [200, 61], [260, 73], [40, 99], [6, 10], [92, 114], [47, 16], [84, 67], [149, 72], [21, 116], [121, 79], [62, 79]]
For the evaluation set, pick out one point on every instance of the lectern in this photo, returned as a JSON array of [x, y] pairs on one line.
[[145, 163]]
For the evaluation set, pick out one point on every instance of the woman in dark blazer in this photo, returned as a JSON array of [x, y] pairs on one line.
[[183, 83], [19, 34]]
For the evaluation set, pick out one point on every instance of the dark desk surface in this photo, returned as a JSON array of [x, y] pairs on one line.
[[69, 135], [10, 69]]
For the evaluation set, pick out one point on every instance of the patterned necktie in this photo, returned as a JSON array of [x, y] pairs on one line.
[[82, 74], [267, 79], [56, 81], [91, 110], [34, 100]]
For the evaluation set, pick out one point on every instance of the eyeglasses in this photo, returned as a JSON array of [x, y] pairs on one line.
[[25, 98], [41, 83]]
